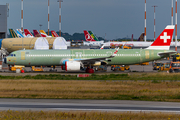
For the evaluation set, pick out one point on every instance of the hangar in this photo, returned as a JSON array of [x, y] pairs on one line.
[[3, 21]]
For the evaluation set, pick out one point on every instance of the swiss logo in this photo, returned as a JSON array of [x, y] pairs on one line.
[[165, 37]]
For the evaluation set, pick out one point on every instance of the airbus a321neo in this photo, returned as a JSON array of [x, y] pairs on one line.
[[81, 59]]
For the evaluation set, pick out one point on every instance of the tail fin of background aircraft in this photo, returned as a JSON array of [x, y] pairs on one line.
[[13, 34], [19, 33], [27, 33], [43, 34], [54, 34], [93, 36], [88, 36], [36, 33], [141, 37], [164, 40]]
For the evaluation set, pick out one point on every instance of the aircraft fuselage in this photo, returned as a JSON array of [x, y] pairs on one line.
[[59, 57]]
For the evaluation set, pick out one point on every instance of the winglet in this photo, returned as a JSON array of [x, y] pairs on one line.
[[102, 47], [115, 53]]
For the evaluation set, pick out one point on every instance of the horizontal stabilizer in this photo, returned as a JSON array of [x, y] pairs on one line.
[[167, 53]]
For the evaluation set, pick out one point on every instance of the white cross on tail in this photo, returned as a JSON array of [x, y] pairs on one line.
[[165, 37]]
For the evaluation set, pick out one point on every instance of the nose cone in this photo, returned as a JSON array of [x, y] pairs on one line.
[[5, 60]]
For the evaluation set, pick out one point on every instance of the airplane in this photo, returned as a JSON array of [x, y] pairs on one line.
[[90, 41], [43, 34], [13, 34], [93, 36], [36, 33], [20, 33], [74, 60], [27, 33], [54, 34], [136, 44]]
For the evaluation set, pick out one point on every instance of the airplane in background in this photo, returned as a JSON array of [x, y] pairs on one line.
[[27, 33], [90, 41], [20, 33], [93, 36], [54, 34], [74, 60], [36, 33], [13, 34], [43, 33]]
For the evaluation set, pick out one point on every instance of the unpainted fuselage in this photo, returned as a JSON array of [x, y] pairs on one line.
[[59, 57]]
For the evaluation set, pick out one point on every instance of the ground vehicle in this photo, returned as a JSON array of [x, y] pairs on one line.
[[101, 68], [174, 66], [33, 68], [13, 68], [161, 66], [158, 66], [176, 57], [120, 67]]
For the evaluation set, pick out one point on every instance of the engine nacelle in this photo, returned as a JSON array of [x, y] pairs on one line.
[[72, 66]]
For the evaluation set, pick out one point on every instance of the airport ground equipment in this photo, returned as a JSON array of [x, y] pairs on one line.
[[33, 68], [101, 68], [15, 67], [144, 63], [121, 47], [174, 67], [158, 66], [176, 57], [120, 67]]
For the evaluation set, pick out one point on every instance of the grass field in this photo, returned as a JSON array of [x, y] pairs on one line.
[[81, 89], [160, 76], [57, 115]]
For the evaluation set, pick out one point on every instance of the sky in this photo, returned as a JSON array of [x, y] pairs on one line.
[[110, 19]]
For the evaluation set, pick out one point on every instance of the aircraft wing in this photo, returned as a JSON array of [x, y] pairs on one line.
[[167, 53], [93, 60]]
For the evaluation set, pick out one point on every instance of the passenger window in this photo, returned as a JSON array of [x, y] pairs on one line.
[[14, 54]]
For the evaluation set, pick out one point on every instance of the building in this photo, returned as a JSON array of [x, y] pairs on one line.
[[3, 21]]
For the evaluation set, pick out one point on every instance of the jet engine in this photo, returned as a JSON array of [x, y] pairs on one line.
[[71, 66]]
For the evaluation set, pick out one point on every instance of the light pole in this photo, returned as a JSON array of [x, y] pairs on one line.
[[145, 23], [176, 28], [154, 22], [48, 17], [22, 15], [60, 16], [172, 17]]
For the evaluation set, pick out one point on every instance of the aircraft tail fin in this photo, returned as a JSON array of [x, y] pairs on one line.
[[88, 36], [164, 39], [36, 33], [93, 36], [54, 34], [20, 33], [13, 34], [43, 34], [27, 33], [141, 37]]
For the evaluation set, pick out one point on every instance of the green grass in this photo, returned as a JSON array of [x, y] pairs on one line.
[[155, 77]]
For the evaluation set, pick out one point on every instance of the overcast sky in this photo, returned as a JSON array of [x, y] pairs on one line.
[[115, 18]]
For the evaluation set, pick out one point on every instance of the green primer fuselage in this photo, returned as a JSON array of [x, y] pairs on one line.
[[58, 57]]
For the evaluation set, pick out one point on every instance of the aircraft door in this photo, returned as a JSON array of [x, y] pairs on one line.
[[23, 55]]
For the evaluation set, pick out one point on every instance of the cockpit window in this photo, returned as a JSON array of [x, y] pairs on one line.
[[11, 54]]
